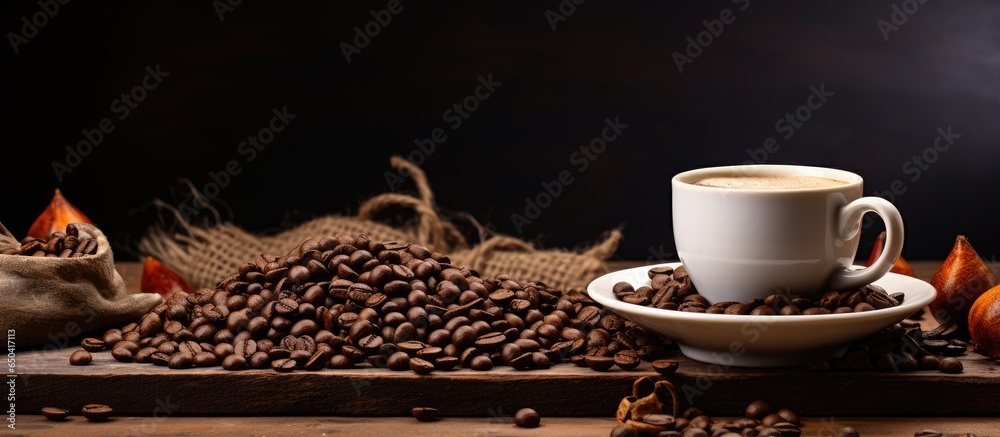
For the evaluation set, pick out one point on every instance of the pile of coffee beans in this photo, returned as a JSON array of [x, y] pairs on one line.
[[344, 301], [900, 348], [59, 244], [671, 289]]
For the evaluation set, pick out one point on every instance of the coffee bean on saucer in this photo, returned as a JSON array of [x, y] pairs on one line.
[[424, 414]]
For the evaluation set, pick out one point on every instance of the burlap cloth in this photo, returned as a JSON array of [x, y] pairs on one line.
[[50, 300], [207, 254]]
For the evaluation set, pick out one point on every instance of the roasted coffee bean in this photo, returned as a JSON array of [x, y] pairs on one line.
[[492, 341], [91, 344], [398, 361], [789, 416], [234, 362], [144, 355], [790, 310], [527, 418], [97, 412], [627, 359], [665, 367], [815, 311], [205, 359], [599, 363], [446, 363], [738, 309], [283, 365], [930, 362], [770, 420], [863, 306], [421, 366], [55, 414], [318, 360], [481, 362], [626, 431], [758, 409], [122, 354], [80, 358], [664, 420], [180, 360], [424, 414], [787, 429], [879, 299], [701, 422], [951, 365]]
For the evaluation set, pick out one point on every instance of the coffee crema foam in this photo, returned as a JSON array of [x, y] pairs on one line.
[[769, 182]]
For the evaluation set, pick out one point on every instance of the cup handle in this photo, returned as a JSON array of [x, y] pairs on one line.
[[849, 224]]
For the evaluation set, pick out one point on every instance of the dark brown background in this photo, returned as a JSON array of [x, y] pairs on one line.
[[941, 68]]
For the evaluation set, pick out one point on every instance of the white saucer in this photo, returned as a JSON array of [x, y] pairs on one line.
[[760, 341]]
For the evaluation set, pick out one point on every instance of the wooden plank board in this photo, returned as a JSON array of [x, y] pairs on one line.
[[45, 378], [451, 426]]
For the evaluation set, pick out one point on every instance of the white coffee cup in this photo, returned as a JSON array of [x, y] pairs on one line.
[[739, 244]]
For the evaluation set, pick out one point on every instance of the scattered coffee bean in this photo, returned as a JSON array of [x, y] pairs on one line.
[[665, 367], [80, 358], [951, 365], [625, 431], [424, 414], [97, 412], [758, 409], [55, 414], [527, 418], [789, 416], [91, 344]]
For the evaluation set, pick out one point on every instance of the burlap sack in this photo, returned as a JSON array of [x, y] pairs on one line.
[[205, 255], [49, 300]]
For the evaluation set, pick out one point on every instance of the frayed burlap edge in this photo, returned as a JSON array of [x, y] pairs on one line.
[[206, 254]]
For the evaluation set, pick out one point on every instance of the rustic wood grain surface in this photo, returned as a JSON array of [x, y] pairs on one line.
[[161, 401]]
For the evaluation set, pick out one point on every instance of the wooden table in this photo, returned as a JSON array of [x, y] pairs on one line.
[[497, 419]]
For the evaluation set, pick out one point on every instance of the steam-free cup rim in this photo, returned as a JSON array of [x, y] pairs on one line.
[[688, 178]]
